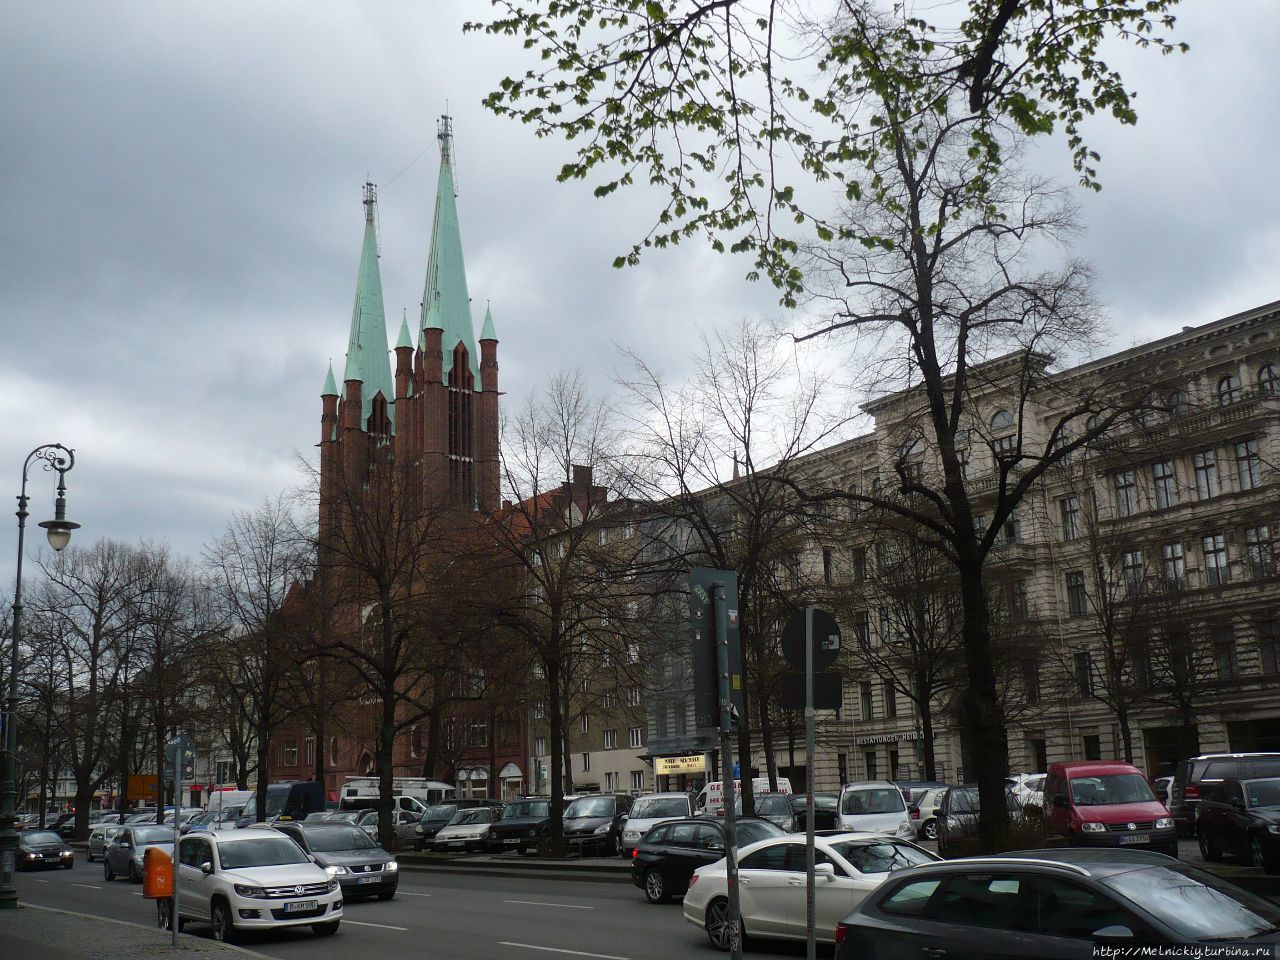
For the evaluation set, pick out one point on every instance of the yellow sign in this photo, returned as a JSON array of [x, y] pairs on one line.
[[668, 765], [142, 787]]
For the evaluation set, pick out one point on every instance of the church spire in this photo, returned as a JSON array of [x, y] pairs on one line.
[[446, 304], [367, 358]]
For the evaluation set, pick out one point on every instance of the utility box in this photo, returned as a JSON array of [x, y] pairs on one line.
[[157, 874]]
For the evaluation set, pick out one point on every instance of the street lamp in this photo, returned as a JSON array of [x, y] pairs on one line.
[[52, 456]]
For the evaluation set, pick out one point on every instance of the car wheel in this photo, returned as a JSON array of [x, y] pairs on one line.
[[386, 894], [614, 847], [325, 929], [719, 930], [655, 888], [134, 876], [89, 854], [224, 928], [1207, 849], [107, 873], [1259, 856], [931, 830], [68, 866], [164, 917]]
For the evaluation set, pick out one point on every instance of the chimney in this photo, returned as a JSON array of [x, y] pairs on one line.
[[581, 477]]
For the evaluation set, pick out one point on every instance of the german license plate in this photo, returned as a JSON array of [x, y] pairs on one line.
[[367, 880], [1135, 838], [511, 841], [300, 906]]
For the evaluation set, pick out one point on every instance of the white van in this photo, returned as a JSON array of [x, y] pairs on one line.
[[426, 792], [711, 798], [222, 799]]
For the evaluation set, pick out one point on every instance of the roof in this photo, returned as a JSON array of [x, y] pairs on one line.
[[1077, 767], [1095, 862], [367, 354]]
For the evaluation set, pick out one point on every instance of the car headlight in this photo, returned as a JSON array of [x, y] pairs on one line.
[[602, 829], [391, 866], [1164, 823], [418, 829], [333, 884], [905, 829], [1273, 828], [336, 871], [1093, 827], [631, 835], [253, 893]]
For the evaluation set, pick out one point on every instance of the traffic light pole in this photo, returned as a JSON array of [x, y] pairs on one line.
[[178, 759], [727, 792], [811, 944]]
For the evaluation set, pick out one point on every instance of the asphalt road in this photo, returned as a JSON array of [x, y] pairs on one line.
[[441, 915]]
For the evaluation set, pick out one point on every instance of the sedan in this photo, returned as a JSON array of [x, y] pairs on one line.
[[771, 885], [125, 852], [100, 838], [1065, 904], [1242, 818], [362, 867], [466, 830], [43, 848], [665, 858]]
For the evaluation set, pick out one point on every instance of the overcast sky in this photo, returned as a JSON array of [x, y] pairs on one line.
[[180, 227]]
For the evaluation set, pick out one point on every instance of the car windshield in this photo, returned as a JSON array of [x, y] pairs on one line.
[[880, 856], [443, 812], [590, 807], [350, 816], [259, 852], [650, 808], [475, 815], [48, 836], [1263, 793], [527, 808], [749, 831], [313, 817], [153, 834], [1197, 904], [820, 802], [1110, 788], [872, 800], [327, 839], [275, 803]]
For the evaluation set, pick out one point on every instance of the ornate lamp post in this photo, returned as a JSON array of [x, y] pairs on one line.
[[52, 456]]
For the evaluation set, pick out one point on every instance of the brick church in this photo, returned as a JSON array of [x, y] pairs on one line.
[[426, 421]]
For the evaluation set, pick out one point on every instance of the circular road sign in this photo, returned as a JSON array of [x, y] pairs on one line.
[[826, 640]]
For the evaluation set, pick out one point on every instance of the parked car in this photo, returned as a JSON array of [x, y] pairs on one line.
[[466, 830], [522, 825], [125, 852], [1242, 818], [875, 807], [362, 867], [1191, 776], [912, 790], [1163, 787], [774, 807], [1106, 803], [665, 857], [595, 823], [43, 848], [826, 812], [252, 879], [922, 812], [438, 815], [652, 809], [1028, 789], [1057, 904], [957, 815], [285, 801], [771, 884], [100, 838]]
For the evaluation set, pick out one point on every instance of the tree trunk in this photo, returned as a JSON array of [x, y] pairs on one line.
[[924, 706], [557, 758], [766, 743], [386, 770], [744, 760], [263, 771], [84, 798], [1126, 733], [432, 758], [983, 715]]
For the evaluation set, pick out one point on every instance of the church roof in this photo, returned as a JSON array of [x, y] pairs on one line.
[[487, 332], [367, 354], [330, 388]]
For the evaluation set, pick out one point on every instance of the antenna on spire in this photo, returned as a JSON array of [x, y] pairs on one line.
[[371, 211], [444, 133]]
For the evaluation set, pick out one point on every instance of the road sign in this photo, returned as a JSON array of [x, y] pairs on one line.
[[827, 691], [143, 787], [179, 745], [826, 640], [702, 623]]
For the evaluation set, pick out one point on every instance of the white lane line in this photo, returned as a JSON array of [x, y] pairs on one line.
[[136, 893], [407, 893], [87, 886], [544, 903], [575, 953], [381, 926], [38, 880]]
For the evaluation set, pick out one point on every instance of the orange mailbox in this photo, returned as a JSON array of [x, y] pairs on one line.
[[157, 874]]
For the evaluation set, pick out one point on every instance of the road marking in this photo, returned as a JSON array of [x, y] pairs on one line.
[[382, 926], [575, 953], [136, 893], [38, 880], [87, 886], [407, 893], [544, 903]]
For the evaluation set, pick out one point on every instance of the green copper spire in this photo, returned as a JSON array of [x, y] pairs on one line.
[[445, 302], [404, 340], [330, 388], [487, 332], [367, 355]]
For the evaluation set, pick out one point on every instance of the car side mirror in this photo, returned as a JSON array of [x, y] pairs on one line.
[[1237, 803], [1060, 801], [716, 846], [1114, 934], [824, 871], [206, 868], [125, 845]]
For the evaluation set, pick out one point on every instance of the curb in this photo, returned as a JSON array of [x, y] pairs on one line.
[[537, 870], [143, 926]]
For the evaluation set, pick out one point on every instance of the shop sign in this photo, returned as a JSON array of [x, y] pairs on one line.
[[665, 766]]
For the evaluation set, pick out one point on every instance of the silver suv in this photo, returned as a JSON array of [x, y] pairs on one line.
[[252, 879]]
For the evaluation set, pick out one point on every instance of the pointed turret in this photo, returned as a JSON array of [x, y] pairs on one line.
[[446, 304], [367, 355], [404, 340], [330, 387], [487, 332]]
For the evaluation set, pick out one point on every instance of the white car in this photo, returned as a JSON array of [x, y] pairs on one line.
[[875, 807], [466, 830], [1028, 788], [771, 884], [649, 811], [252, 879]]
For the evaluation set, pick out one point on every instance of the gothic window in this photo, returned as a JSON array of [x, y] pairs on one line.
[[1268, 381]]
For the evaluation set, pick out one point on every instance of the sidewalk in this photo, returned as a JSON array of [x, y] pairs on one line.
[[41, 933]]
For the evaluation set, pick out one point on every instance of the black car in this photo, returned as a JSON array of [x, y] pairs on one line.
[[43, 848], [594, 824], [958, 815], [663, 862], [523, 824], [1242, 818], [364, 869], [1057, 904], [826, 812], [1194, 776], [439, 814]]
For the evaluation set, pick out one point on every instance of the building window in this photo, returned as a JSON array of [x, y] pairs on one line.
[[862, 628], [858, 564], [1248, 464], [1077, 599], [1069, 508], [333, 751], [1174, 564], [828, 566], [887, 633], [1013, 528], [539, 710], [1092, 746], [586, 763], [633, 697], [964, 456], [611, 781], [870, 759], [1084, 673], [1262, 558], [893, 764], [1268, 384], [890, 700], [1004, 447], [1228, 390], [1206, 464], [226, 771], [865, 694], [611, 739], [309, 751], [540, 746], [1269, 645], [478, 733], [609, 699], [1215, 559], [1224, 651], [1126, 493], [637, 779], [635, 736], [1131, 565], [289, 753], [1031, 682], [842, 767], [1018, 604], [1165, 485]]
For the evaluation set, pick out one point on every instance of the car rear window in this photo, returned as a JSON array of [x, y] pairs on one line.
[[1268, 767], [650, 807], [749, 831], [872, 800]]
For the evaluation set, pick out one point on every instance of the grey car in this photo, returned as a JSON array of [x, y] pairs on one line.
[[100, 838], [362, 867], [125, 852]]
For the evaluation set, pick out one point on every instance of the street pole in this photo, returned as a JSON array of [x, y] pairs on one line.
[[178, 759], [811, 944], [726, 768], [55, 457]]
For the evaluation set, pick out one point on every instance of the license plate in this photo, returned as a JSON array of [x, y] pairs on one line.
[[1135, 838], [367, 880], [299, 906], [510, 841], [455, 843]]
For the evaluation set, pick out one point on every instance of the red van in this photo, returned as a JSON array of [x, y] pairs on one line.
[[1107, 803]]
